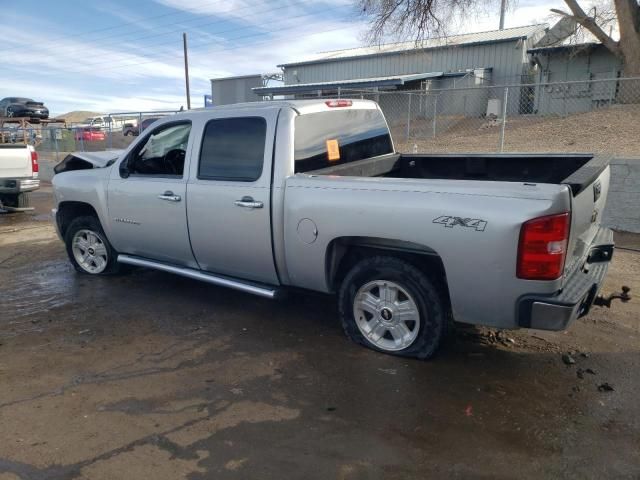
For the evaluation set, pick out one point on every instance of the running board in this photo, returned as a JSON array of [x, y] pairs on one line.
[[254, 288]]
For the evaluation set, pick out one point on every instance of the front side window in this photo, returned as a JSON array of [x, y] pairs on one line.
[[233, 149], [163, 152]]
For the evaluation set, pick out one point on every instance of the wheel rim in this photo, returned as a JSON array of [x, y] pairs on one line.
[[386, 315], [90, 251]]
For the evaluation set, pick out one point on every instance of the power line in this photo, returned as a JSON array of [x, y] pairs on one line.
[[133, 22], [342, 27], [72, 49], [223, 50], [86, 68]]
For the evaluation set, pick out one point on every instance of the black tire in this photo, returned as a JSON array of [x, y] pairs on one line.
[[431, 303], [91, 224]]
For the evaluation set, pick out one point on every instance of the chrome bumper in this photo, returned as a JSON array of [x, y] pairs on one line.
[[557, 312], [19, 185]]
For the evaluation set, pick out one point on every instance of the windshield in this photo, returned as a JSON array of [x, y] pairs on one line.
[[332, 138]]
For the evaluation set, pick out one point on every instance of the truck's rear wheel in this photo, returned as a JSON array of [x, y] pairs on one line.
[[389, 305], [89, 249]]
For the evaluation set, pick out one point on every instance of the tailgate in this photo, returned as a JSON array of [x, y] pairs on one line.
[[589, 186], [15, 161]]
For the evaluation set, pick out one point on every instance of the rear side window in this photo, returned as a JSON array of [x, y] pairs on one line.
[[233, 149], [332, 138]]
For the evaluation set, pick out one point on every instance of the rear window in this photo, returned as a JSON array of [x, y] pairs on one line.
[[332, 138]]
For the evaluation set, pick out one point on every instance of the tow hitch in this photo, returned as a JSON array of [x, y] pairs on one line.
[[624, 297]]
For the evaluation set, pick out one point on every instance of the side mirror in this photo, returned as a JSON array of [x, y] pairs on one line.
[[124, 168]]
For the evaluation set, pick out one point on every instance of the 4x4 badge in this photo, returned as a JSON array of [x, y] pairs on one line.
[[450, 222]]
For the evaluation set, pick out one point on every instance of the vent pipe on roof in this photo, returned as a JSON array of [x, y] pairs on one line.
[[503, 7]]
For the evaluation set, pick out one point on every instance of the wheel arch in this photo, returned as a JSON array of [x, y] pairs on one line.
[[344, 252], [69, 210]]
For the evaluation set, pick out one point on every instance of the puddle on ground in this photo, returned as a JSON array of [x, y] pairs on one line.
[[29, 291]]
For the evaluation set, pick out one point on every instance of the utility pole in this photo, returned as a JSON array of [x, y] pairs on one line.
[[186, 69], [503, 7]]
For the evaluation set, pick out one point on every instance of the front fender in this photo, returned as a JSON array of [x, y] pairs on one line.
[[85, 186]]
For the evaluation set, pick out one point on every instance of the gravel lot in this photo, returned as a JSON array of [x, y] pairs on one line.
[[153, 376]]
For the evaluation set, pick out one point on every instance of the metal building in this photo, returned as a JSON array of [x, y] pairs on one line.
[[497, 57], [235, 89], [571, 63]]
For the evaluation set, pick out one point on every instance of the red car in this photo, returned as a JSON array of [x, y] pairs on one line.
[[89, 135]]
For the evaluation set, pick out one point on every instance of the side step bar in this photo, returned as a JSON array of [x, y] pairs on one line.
[[254, 288]]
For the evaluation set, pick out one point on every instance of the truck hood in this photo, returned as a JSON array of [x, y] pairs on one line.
[[99, 159], [87, 160]]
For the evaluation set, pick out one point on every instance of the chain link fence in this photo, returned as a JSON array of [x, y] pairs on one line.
[[601, 116], [108, 132]]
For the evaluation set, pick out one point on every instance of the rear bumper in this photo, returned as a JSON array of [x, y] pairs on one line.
[[13, 186], [557, 312]]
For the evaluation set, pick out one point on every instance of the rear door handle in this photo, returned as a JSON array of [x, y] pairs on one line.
[[248, 202], [170, 197]]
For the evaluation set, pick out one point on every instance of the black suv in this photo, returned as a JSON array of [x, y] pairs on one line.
[[23, 107]]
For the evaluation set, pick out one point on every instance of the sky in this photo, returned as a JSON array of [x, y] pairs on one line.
[[123, 55]]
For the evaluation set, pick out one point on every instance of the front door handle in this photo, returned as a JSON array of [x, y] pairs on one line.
[[170, 197], [248, 202]]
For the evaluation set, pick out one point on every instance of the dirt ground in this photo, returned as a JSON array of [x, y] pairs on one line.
[[153, 376], [611, 131]]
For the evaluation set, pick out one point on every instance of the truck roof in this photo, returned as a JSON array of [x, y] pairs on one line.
[[301, 106]]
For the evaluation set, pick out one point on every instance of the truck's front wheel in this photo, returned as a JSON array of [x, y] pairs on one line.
[[88, 248], [389, 305]]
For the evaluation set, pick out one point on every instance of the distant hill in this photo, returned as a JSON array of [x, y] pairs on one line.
[[78, 115]]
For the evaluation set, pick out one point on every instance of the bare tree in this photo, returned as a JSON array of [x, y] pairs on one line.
[[423, 18]]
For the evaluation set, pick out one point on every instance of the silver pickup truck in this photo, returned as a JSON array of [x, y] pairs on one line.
[[311, 194]]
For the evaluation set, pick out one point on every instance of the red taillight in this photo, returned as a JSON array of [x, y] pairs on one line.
[[34, 162], [338, 103], [543, 247]]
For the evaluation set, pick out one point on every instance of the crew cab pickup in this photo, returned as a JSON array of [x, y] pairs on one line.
[[311, 194], [18, 175]]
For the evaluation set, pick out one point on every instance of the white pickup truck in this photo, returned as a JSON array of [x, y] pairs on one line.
[[312, 194], [18, 176]]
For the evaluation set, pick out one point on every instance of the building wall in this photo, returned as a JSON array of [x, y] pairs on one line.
[[507, 58], [565, 65], [235, 89], [624, 196]]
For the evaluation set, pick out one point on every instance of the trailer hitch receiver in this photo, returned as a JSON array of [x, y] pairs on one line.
[[624, 297]]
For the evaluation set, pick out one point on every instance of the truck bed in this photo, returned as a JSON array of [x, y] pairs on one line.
[[576, 170], [586, 175]]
